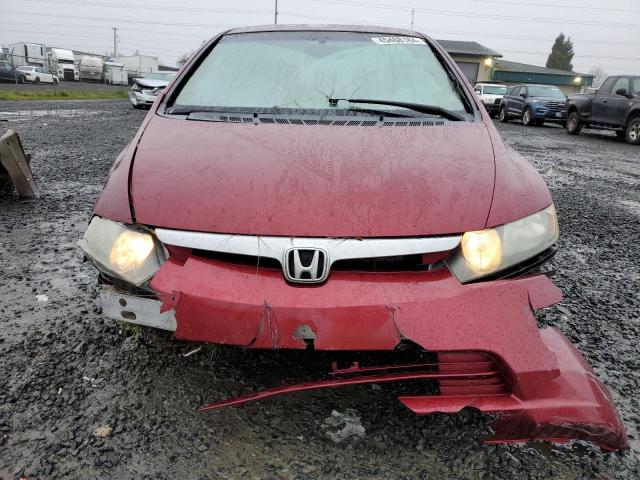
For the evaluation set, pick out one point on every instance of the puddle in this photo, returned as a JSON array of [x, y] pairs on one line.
[[633, 207]]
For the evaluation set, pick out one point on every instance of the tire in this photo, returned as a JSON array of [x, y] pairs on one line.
[[527, 117], [503, 115], [633, 131], [20, 79], [574, 125], [55, 81], [36, 81]]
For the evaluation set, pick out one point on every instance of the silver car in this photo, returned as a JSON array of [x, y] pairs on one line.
[[145, 90]]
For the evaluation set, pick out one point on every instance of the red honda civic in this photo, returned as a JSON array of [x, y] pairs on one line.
[[342, 189]]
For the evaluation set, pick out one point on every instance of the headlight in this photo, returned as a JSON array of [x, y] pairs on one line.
[[122, 251], [493, 250]]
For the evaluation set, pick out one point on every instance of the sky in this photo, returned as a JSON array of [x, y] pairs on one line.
[[606, 34]]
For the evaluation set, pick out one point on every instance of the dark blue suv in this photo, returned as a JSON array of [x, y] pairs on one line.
[[534, 104]]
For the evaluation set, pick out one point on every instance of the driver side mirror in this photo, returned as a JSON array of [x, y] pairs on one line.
[[523, 95], [623, 92]]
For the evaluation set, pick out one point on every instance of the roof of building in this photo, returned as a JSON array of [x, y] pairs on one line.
[[526, 68], [473, 49], [524, 73]]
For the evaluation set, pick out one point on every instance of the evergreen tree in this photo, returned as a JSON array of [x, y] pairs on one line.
[[561, 53]]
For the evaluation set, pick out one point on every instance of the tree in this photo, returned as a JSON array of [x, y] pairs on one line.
[[598, 76], [561, 53]]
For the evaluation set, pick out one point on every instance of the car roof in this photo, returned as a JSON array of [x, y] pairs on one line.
[[535, 85], [326, 28]]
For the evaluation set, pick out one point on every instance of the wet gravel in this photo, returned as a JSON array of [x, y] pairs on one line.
[[64, 371]]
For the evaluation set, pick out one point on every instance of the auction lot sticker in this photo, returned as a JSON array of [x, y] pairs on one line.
[[399, 41]]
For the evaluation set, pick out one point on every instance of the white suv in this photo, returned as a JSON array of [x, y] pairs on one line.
[[491, 95]]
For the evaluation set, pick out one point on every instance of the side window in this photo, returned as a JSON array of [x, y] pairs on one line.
[[39, 70], [620, 83], [521, 91], [636, 85]]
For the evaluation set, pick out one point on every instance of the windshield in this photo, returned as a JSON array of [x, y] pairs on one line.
[[494, 90], [554, 92], [159, 76], [303, 70]]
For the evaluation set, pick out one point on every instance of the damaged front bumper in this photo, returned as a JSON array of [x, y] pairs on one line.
[[491, 354], [142, 97]]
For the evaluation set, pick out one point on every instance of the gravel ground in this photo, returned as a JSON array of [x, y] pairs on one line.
[[65, 372]]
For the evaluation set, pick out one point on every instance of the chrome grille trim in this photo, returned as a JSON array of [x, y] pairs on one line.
[[336, 248]]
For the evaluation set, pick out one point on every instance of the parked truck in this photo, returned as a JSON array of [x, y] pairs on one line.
[[615, 106], [115, 74], [62, 63], [33, 54], [138, 65], [90, 68]]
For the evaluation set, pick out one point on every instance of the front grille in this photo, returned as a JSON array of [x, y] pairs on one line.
[[554, 105], [498, 101], [242, 260], [68, 74], [470, 373], [401, 263]]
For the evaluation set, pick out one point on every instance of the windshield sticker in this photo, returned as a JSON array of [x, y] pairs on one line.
[[399, 40]]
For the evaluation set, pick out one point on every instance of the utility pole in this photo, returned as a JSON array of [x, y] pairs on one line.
[[275, 14], [413, 16], [115, 41]]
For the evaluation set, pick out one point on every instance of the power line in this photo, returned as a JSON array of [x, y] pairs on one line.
[[102, 37], [103, 19], [532, 39], [550, 5], [65, 25], [577, 55], [480, 15], [148, 7]]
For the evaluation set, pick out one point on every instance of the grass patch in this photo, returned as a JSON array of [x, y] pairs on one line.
[[60, 94]]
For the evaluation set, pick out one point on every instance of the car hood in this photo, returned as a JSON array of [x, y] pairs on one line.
[[548, 99], [143, 82], [320, 181]]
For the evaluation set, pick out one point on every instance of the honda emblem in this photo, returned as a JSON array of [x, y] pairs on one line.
[[306, 265]]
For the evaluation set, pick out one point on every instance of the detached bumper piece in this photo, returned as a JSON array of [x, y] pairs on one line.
[[575, 405]]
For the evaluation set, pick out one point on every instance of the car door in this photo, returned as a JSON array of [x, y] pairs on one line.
[[44, 76], [618, 105], [606, 102], [517, 102]]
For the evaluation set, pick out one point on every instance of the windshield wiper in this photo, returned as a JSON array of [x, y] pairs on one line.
[[418, 107], [186, 110]]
